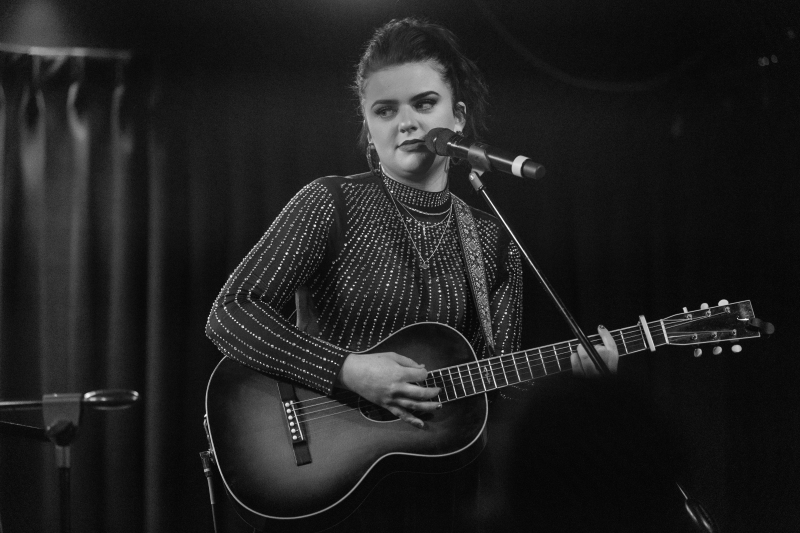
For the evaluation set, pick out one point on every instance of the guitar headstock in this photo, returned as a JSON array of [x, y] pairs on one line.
[[725, 322]]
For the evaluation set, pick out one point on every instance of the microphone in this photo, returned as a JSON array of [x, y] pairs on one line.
[[442, 141]]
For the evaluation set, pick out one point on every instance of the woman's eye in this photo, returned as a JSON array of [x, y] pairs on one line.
[[384, 112], [425, 105]]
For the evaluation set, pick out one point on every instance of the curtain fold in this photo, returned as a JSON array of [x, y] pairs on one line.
[[72, 267]]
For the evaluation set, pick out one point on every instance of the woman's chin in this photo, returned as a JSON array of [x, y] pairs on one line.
[[419, 167]]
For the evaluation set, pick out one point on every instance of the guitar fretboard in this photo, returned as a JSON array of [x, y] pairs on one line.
[[477, 377]]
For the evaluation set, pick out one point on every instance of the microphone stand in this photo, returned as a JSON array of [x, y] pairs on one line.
[[61, 414], [701, 520], [480, 188]]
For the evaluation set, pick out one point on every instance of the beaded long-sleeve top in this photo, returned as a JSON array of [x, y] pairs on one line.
[[358, 246]]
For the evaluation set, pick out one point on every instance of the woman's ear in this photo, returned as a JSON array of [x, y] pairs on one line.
[[460, 113]]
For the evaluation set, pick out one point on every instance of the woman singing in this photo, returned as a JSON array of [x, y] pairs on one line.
[[368, 254]]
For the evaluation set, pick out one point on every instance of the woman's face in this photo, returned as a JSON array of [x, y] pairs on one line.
[[402, 104]]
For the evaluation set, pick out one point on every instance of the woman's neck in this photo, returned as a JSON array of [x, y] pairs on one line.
[[435, 182]]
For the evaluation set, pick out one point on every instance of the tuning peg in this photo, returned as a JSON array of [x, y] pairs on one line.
[[698, 352], [736, 348], [717, 350], [723, 302], [703, 306]]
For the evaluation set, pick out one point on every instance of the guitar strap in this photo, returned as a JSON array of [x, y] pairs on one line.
[[473, 257]]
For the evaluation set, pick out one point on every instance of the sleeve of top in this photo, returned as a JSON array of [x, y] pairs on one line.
[[245, 323]]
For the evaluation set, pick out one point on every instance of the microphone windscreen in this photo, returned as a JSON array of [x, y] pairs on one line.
[[436, 140]]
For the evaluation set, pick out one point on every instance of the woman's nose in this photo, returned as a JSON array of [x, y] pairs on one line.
[[408, 121]]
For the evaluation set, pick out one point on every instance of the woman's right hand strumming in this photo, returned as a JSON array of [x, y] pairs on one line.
[[387, 379]]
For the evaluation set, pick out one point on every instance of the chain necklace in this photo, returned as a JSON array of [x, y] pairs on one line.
[[422, 224], [423, 262], [420, 211]]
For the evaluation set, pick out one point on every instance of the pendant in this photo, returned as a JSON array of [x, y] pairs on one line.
[[424, 265]]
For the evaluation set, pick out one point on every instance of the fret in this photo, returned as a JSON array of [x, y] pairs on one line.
[[467, 379], [624, 346], [461, 380], [487, 376], [452, 384], [528, 360], [558, 361], [477, 380], [516, 368], [551, 363], [440, 383], [502, 374]]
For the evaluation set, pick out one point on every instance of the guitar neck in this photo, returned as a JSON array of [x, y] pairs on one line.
[[500, 371]]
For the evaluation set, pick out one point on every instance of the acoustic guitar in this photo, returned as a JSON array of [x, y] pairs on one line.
[[293, 460]]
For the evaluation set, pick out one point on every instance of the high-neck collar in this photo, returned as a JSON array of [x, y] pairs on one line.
[[415, 197]]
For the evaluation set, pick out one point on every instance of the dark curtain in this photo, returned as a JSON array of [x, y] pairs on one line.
[[131, 188], [73, 315]]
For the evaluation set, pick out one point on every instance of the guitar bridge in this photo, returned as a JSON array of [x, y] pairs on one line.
[[302, 455]]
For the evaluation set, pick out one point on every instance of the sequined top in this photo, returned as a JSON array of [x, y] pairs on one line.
[[359, 245]]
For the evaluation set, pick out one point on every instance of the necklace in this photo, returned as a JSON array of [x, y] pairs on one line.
[[421, 212], [423, 262], [423, 225]]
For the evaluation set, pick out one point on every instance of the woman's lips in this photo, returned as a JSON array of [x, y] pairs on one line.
[[412, 146]]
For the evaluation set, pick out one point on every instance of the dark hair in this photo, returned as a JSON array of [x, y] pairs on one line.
[[412, 40]]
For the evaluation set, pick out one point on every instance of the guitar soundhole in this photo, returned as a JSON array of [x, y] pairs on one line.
[[379, 414], [373, 412]]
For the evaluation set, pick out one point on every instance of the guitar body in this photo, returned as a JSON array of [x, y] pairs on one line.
[[351, 449]]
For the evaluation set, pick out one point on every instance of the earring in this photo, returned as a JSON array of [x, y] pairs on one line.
[[453, 162], [372, 160]]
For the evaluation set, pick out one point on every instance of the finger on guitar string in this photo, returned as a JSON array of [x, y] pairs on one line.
[[385, 378], [415, 392], [576, 360], [583, 366], [610, 355], [422, 407]]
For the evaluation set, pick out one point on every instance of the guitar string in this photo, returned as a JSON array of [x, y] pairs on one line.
[[372, 408], [318, 430], [545, 351], [546, 357], [461, 377], [511, 361], [624, 334], [524, 356]]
